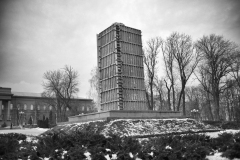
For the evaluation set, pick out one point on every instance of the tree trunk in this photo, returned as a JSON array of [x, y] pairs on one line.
[[184, 109], [174, 109], [151, 90], [209, 106], [216, 107], [148, 101], [169, 95], [160, 101], [182, 97]]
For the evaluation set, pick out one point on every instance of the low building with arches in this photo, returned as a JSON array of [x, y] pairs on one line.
[[25, 108]]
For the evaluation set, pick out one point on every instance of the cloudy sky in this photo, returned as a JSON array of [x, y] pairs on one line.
[[41, 35]]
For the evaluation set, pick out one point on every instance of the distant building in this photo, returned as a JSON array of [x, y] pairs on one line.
[[19, 107], [120, 66]]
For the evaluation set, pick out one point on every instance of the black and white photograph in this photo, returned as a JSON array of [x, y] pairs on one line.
[[120, 80]]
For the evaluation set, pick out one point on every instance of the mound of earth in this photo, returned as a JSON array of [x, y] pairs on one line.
[[135, 127]]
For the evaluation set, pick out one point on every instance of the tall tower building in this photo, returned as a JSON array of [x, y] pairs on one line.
[[120, 68]]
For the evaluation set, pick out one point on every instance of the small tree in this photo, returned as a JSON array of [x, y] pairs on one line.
[[150, 61], [186, 58], [60, 87], [168, 55]]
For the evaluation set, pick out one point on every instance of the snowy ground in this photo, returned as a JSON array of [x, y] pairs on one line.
[[217, 156], [26, 131], [215, 134], [137, 127]]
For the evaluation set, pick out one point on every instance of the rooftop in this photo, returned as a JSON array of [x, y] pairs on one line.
[[26, 94], [29, 94]]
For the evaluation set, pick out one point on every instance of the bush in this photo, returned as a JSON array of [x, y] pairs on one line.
[[9, 145], [76, 144], [232, 150], [59, 145], [4, 125], [43, 123], [192, 146], [230, 125]]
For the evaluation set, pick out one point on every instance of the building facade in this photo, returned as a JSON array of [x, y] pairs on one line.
[[120, 68], [19, 107]]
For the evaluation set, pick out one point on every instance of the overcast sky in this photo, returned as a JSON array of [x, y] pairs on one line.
[[41, 35]]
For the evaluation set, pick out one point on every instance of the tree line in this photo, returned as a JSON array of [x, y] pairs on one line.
[[212, 60]]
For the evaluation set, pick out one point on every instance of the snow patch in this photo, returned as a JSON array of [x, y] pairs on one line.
[[216, 134], [217, 156]]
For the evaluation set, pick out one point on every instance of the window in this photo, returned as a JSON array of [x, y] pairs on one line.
[[82, 108], [31, 107], [38, 107], [11, 106], [67, 109], [18, 106], [2, 107], [44, 107], [50, 107], [88, 108], [25, 107]]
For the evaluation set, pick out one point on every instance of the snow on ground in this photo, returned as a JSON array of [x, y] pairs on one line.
[[135, 127], [42, 129], [215, 134], [217, 156], [26, 131]]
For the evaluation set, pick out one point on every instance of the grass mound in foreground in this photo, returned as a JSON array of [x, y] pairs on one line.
[[135, 127]]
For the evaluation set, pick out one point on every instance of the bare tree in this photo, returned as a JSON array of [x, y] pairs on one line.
[[60, 86], [168, 55], [186, 58], [150, 60], [215, 52]]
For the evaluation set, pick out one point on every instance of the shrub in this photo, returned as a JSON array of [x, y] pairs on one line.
[[222, 142], [9, 145], [192, 146], [4, 125], [59, 145], [230, 125], [233, 148]]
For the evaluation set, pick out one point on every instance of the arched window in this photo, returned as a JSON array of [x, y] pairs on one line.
[[83, 108], [25, 107], [87, 108], [44, 107], [50, 107], [31, 107], [67, 109]]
